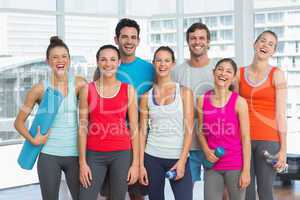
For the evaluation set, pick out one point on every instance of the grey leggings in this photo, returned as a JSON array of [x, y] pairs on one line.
[[263, 171], [49, 171], [215, 182], [117, 162]]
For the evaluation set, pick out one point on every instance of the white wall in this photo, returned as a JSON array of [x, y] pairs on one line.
[[10, 172]]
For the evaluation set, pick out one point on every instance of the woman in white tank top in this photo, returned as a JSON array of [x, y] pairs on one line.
[[167, 110]]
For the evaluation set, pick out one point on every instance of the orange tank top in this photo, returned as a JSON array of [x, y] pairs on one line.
[[261, 101]]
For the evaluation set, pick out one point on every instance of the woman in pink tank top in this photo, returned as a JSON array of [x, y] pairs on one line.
[[224, 122], [106, 144]]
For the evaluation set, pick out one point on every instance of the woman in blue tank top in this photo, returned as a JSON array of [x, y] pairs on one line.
[[167, 109], [59, 152]]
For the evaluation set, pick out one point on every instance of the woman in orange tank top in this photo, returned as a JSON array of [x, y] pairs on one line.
[[264, 88]]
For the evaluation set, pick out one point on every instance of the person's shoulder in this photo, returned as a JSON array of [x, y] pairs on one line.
[[277, 70], [279, 77], [212, 62], [80, 81], [38, 87], [181, 66], [185, 63], [241, 102], [185, 91], [143, 61], [146, 65]]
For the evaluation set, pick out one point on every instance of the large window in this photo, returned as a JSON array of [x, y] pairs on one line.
[[47, 5], [92, 6]]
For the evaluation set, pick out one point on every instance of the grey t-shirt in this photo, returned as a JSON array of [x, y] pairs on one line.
[[199, 80]]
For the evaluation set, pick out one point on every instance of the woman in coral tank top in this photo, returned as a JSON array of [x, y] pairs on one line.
[[264, 88]]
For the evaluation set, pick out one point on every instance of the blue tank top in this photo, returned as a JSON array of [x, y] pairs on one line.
[[62, 140]]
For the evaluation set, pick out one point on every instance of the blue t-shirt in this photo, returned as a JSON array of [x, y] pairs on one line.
[[139, 73]]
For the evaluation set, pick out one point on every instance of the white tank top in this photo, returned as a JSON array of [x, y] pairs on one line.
[[166, 127]]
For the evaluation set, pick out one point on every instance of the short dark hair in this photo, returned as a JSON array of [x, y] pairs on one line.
[[164, 48], [55, 41], [107, 46], [270, 32], [126, 22], [194, 27]]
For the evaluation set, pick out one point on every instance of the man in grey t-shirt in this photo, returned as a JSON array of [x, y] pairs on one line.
[[196, 73]]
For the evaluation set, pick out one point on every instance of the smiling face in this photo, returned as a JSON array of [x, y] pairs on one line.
[[163, 63], [59, 60], [108, 62], [224, 74], [127, 41], [198, 42], [265, 46]]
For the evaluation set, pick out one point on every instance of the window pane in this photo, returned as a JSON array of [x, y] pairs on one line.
[[92, 6], [155, 25], [293, 32], [189, 21], [258, 31], [148, 8], [226, 35], [226, 20], [202, 6], [213, 35], [260, 19], [49, 5], [155, 38], [280, 47], [275, 17], [275, 3], [86, 34], [26, 35], [22, 63], [169, 24], [169, 38], [211, 22], [278, 30]]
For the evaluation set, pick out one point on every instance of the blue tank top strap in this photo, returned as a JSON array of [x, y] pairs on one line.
[[71, 85], [46, 84]]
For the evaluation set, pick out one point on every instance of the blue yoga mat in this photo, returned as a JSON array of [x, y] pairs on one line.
[[44, 118]]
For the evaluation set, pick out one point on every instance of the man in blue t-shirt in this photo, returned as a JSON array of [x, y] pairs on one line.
[[135, 71]]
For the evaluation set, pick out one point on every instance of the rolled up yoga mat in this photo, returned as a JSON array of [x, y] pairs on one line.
[[44, 118]]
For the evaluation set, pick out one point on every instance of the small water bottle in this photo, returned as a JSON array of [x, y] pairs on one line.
[[219, 152], [272, 159], [171, 174]]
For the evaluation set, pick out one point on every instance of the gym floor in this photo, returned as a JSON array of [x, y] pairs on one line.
[[32, 192]]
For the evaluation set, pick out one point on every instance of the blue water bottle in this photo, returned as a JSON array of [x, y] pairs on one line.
[[171, 174], [219, 152]]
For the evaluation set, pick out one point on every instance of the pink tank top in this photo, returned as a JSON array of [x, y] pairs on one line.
[[221, 128]]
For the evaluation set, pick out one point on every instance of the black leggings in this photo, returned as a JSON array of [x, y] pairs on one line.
[[117, 163], [49, 171], [157, 168]]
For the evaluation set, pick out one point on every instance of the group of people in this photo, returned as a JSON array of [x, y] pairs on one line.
[[138, 121]]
